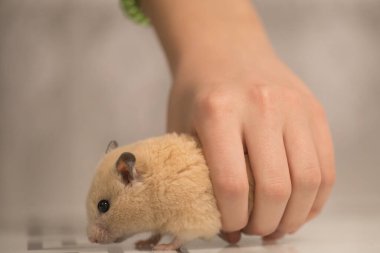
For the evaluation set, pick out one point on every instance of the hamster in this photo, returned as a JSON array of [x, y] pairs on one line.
[[159, 185]]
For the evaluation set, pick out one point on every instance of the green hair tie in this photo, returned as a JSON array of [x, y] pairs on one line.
[[133, 11]]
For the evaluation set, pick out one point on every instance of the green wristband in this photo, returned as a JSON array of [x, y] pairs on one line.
[[133, 11]]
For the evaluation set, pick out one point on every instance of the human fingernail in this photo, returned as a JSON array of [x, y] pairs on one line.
[[274, 236], [231, 238]]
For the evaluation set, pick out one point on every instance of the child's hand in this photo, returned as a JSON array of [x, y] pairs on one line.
[[232, 91], [270, 114]]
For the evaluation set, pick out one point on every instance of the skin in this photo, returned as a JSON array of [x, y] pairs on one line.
[[232, 91]]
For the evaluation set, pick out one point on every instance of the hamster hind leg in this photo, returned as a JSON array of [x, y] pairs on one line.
[[149, 243]]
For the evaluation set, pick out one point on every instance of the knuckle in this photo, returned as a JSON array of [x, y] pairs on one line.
[[259, 93], [272, 99], [309, 179], [232, 188], [279, 191], [263, 97], [215, 103]]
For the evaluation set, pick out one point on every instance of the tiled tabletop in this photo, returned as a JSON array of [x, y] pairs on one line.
[[344, 232]]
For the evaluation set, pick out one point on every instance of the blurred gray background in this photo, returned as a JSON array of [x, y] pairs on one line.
[[76, 73]]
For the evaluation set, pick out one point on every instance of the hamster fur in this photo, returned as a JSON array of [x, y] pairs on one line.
[[169, 193]]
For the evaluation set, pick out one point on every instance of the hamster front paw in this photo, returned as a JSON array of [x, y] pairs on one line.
[[168, 246], [149, 243], [174, 245]]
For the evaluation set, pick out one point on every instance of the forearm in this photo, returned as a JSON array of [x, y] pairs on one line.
[[189, 30]]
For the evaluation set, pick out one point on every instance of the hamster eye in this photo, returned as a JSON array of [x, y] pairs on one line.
[[103, 206]]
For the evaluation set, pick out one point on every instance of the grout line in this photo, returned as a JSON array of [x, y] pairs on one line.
[[34, 245], [69, 242], [115, 249]]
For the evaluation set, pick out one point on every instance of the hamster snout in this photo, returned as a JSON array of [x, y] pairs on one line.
[[98, 234]]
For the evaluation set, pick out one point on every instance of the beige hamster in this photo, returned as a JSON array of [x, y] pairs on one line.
[[159, 185]]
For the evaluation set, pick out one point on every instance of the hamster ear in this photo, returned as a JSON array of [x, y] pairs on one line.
[[111, 146], [125, 165]]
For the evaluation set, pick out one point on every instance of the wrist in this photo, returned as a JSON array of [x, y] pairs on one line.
[[193, 30]]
